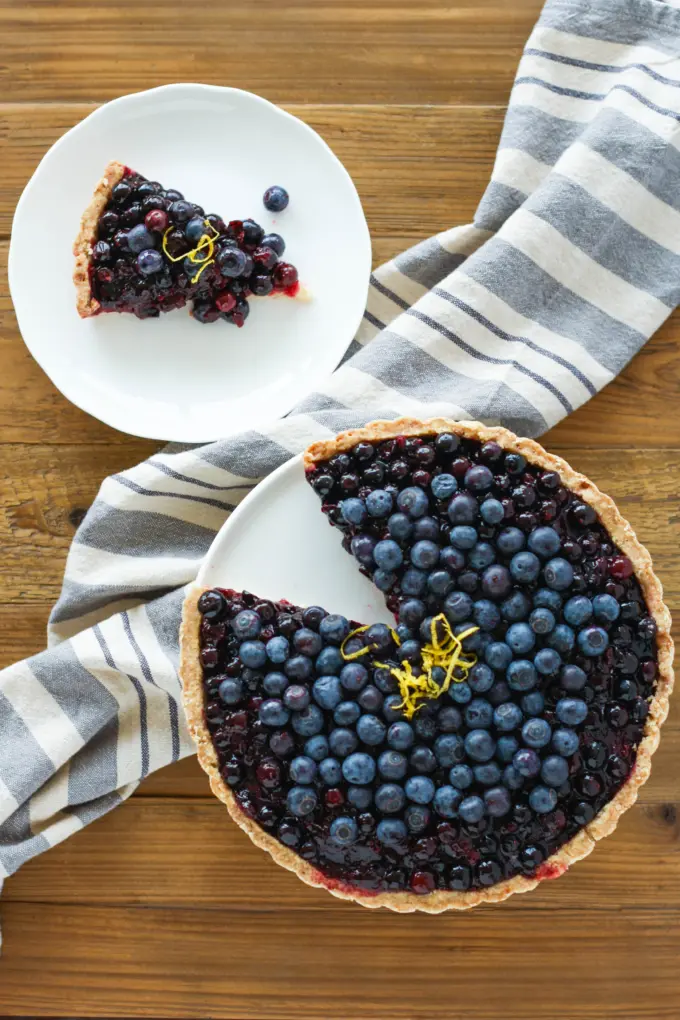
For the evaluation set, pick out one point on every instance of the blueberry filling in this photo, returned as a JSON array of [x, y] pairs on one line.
[[155, 252]]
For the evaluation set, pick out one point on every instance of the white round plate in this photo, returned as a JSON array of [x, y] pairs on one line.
[[171, 377], [279, 545]]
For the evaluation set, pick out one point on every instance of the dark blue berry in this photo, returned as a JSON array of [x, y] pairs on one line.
[[497, 802], [479, 745], [390, 798], [327, 692], [275, 198], [554, 771], [492, 511], [542, 621], [446, 801], [302, 769], [496, 581], [542, 799], [443, 486], [344, 831], [571, 711], [301, 801], [413, 501], [308, 722], [510, 541], [593, 641], [334, 629], [525, 567], [507, 717], [359, 769], [544, 542], [520, 637], [521, 675], [565, 742], [471, 809], [558, 574], [420, 789], [371, 730]]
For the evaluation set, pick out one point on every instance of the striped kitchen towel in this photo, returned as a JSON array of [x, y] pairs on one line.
[[572, 262]]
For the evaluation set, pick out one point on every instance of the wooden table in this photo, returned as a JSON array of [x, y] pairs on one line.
[[164, 908]]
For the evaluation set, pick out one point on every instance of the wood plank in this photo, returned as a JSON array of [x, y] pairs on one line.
[[123, 858], [618, 964], [300, 51]]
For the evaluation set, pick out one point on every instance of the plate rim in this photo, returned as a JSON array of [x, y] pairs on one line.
[[79, 397]]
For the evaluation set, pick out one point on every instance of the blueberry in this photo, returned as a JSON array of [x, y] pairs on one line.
[[516, 607], [412, 501], [496, 581], [422, 759], [273, 241], [486, 614], [520, 637], [384, 580], [391, 831], [362, 547], [275, 683], [488, 774], [140, 239], [471, 809], [463, 509], [383, 680], [317, 747], [449, 749], [296, 697], [479, 714], [573, 678], [334, 629], [533, 703], [510, 541], [507, 717], [353, 510], [497, 802], [275, 198], [424, 554], [462, 536], [479, 745], [606, 608], [521, 675], [525, 566], [327, 692], [542, 799], [301, 801], [446, 801], [400, 736], [452, 559], [506, 748], [561, 639], [420, 789], [299, 667], [181, 211], [544, 542], [457, 607], [412, 612], [231, 691], [460, 878], [371, 730], [449, 719], [527, 762], [252, 654], [578, 610], [460, 692], [542, 621], [514, 463], [342, 741], [554, 771], [545, 598], [443, 486], [359, 768], [231, 261], [565, 742], [461, 777], [426, 527], [392, 707], [480, 678], [413, 582], [547, 661], [498, 655], [417, 818], [536, 732], [247, 624], [410, 651], [558, 574], [344, 831], [195, 229], [388, 555], [308, 722], [593, 641], [512, 778], [571, 711], [302, 769], [370, 699], [379, 503], [278, 649], [399, 527], [359, 797], [478, 478], [492, 511], [481, 556], [149, 262], [307, 642], [439, 582], [346, 713], [390, 798]]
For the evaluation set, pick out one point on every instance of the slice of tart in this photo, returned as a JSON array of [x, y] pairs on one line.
[[145, 249], [496, 733]]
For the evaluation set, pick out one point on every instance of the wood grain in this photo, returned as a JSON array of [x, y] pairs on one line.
[[164, 908], [307, 51]]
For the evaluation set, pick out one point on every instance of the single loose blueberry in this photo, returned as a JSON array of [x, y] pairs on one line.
[[252, 654], [460, 692], [496, 581], [480, 678], [391, 831], [344, 831], [273, 241], [388, 555], [317, 747], [457, 607], [463, 509], [231, 691], [516, 607], [578, 610], [426, 527], [527, 762], [483, 555], [463, 536], [140, 239], [298, 667], [561, 639], [359, 769], [423, 759], [278, 649], [424, 554], [439, 582], [334, 628], [479, 714], [413, 582], [452, 559], [498, 655], [296, 697], [461, 777], [149, 262], [329, 662], [450, 749], [346, 713], [486, 614], [384, 580], [307, 641], [362, 547], [392, 707], [547, 661], [275, 683], [246, 624], [497, 802], [370, 699], [533, 703], [342, 741], [417, 818], [420, 789], [275, 198], [400, 736], [573, 678], [400, 526]]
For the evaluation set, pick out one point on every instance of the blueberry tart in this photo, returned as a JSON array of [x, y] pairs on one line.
[[145, 249], [496, 732]]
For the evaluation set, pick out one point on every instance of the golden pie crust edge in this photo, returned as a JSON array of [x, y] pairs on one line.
[[86, 303], [604, 822]]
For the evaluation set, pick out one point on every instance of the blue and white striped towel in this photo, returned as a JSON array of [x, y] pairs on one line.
[[572, 262]]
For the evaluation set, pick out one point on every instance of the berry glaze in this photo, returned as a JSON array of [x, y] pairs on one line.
[[155, 252], [488, 778]]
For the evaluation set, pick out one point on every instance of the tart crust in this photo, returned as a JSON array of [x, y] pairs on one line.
[[86, 303], [605, 821]]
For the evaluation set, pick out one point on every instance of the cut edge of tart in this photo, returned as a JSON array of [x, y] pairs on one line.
[[584, 840], [86, 303]]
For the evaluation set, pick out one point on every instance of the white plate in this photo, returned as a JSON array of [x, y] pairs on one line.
[[173, 378], [279, 545]]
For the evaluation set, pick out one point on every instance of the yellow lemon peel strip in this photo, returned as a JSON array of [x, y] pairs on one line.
[[205, 242], [349, 656]]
